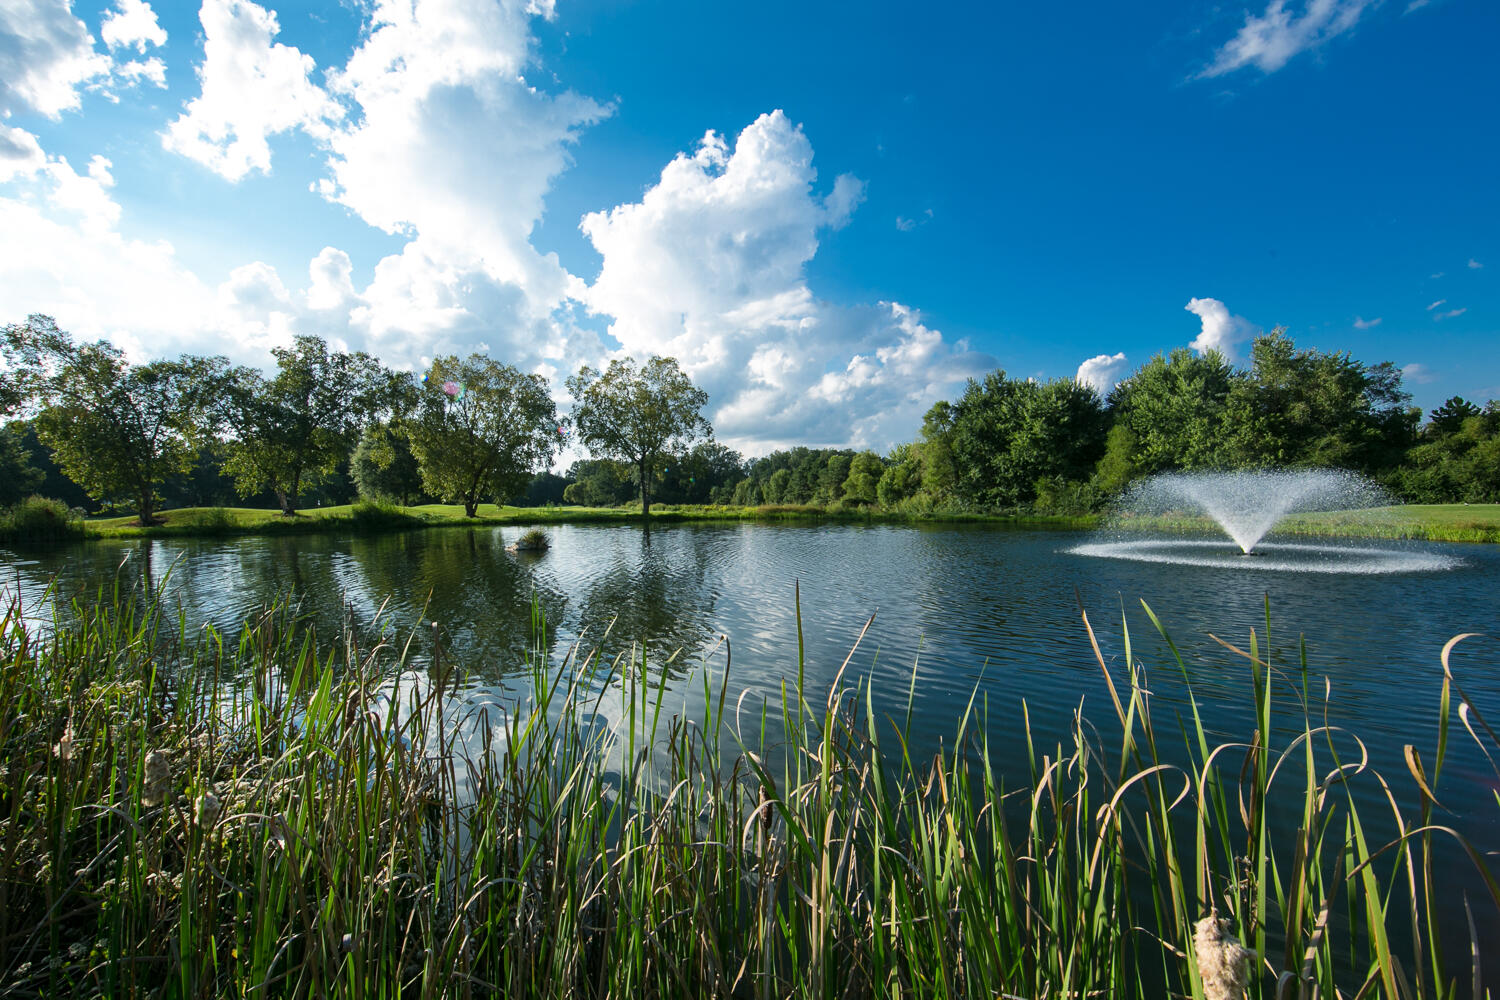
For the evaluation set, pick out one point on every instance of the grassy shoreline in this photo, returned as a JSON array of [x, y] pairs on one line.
[[1431, 522], [185, 813]]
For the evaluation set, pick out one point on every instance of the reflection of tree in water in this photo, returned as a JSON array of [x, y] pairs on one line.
[[466, 581], [658, 598]]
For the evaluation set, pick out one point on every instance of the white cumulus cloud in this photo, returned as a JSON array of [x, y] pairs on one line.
[[1221, 331], [1360, 323], [1419, 373], [46, 55], [132, 24], [1270, 40], [1102, 371], [708, 267], [251, 89]]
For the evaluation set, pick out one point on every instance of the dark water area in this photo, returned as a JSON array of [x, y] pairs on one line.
[[969, 609]]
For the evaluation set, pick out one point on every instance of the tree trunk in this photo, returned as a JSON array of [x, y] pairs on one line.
[[471, 507], [645, 492], [282, 498], [147, 508]]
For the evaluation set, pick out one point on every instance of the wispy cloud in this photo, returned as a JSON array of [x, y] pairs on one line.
[[907, 225], [1364, 324], [1269, 42], [1416, 5], [1417, 372], [1474, 265], [1436, 304], [1437, 274], [1450, 314]]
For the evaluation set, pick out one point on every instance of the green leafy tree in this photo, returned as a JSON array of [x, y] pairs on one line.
[[865, 471], [598, 482], [1308, 408], [294, 430], [487, 439], [1008, 434], [383, 466], [19, 478], [1449, 418], [640, 414], [1460, 466], [1174, 410], [116, 429]]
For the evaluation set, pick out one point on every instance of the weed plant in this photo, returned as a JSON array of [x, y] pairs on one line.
[[283, 814]]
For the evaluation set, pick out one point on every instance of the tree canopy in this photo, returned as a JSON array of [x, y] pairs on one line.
[[293, 431], [116, 429], [640, 414], [486, 437]]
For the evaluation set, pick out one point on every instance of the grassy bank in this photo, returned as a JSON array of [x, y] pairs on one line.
[[1423, 522], [1431, 522], [202, 521], [187, 814]]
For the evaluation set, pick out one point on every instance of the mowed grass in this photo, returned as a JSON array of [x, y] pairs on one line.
[[384, 517], [1428, 522]]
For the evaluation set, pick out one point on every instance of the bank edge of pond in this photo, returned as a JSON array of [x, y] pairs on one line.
[[149, 813], [1427, 522], [217, 521]]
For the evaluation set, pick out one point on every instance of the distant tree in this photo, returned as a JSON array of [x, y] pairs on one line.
[[116, 429], [640, 414], [1174, 409], [1463, 465], [1117, 467], [487, 439], [294, 430], [383, 466], [1449, 418], [598, 482], [860, 485], [19, 477], [545, 489], [1009, 434], [1308, 408]]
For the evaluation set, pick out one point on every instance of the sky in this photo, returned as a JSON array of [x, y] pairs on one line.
[[831, 214]]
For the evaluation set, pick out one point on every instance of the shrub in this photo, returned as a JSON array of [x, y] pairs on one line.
[[40, 519]]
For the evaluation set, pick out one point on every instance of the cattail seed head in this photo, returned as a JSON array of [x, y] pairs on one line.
[[208, 809], [1222, 960], [158, 779]]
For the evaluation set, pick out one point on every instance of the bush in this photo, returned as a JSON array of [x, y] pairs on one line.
[[40, 519]]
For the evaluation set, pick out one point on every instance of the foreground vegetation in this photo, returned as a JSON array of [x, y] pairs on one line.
[[190, 814]]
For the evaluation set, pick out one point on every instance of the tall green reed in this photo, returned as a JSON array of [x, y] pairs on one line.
[[283, 813]]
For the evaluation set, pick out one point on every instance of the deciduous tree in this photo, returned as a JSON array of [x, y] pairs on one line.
[[116, 429], [640, 414], [292, 431], [485, 438]]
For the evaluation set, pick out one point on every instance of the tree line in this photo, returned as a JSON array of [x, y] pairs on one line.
[[327, 427]]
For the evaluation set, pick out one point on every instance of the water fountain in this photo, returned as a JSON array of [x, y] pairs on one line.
[[1246, 505]]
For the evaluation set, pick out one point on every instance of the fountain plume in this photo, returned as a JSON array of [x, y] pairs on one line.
[[1247, 504]]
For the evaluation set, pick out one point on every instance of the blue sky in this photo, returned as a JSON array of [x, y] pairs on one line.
[[831, 214]]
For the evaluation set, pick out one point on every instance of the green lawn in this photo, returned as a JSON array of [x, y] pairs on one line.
[[1434, 522]]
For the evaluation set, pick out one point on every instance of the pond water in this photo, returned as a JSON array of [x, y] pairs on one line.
[[966, 608]]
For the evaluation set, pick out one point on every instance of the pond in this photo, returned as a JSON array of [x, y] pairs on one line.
[[965, 608]]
